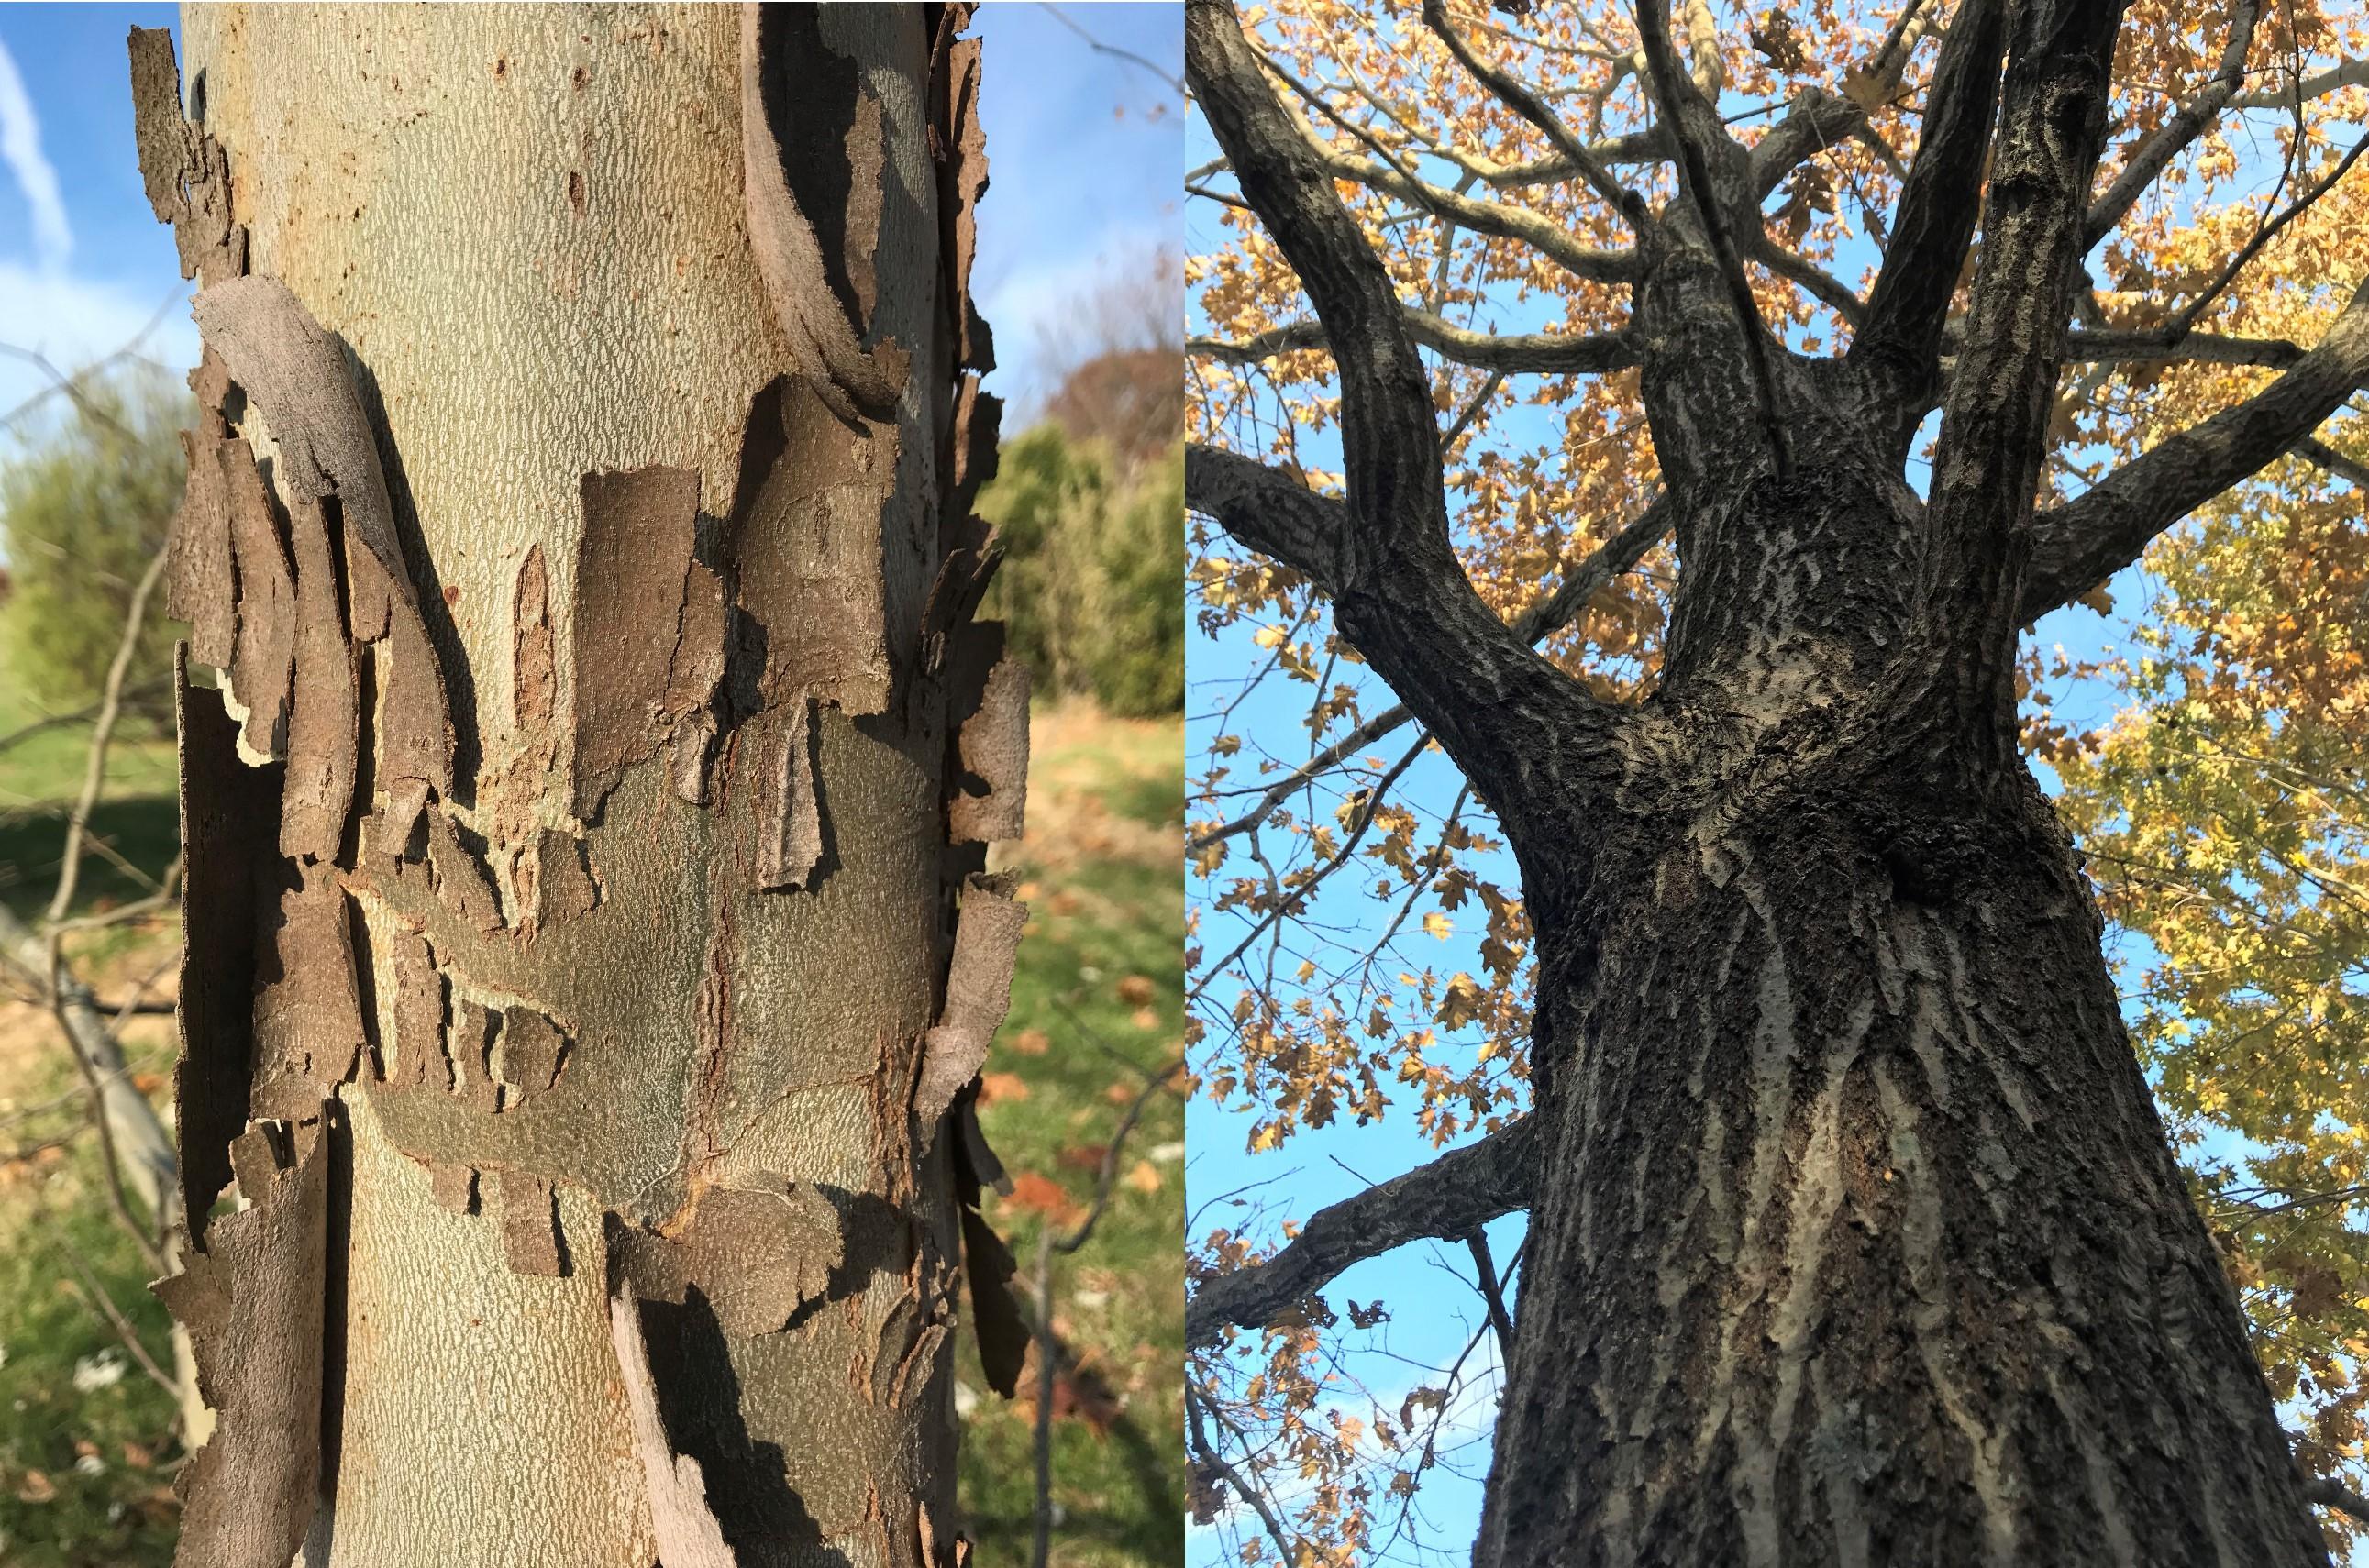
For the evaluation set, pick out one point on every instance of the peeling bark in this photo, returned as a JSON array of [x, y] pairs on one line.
[[252, 1297], [501, 941]]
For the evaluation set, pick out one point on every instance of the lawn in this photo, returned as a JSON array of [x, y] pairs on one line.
[[85, 1446]]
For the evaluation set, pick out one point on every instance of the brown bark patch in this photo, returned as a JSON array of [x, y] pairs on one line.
[[974, 436], [806, 546], [534, 1050], [534, 683], [531, 1226], [252, 1298], [319, 796], [635, 587], [557, 881], [418, 1009], [461, 882], [978, 993], [790, 805], [308, 1017], [229, 823], [757, 1255], [964, 572]]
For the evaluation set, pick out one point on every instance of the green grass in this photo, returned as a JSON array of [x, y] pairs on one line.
[[83, 1482], [1100, 927]]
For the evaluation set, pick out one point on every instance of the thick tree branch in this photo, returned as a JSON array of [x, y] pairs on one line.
[[1525, 733], [1995, 423], [1934, 224], [1528, 353], [1542, 620], [2313, 450], [2335, 1494], [1819, 119], [2081, 543], [1447, 1199], [2110, 347], [1700, 142], [1494, 219]]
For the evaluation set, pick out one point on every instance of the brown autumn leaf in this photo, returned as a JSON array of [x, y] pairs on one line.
[[1030, 1042], [1137, 991], [1144, 1018], [35, 1486], [1040, 1194], [1082, 1157]]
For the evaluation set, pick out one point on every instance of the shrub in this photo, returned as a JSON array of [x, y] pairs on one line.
[[1091, 585]]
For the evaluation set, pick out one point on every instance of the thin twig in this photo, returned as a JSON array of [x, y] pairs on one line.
[[110, 707]]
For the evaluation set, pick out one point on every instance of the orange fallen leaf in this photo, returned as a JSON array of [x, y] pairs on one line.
[[1144, 1018], [1119, 1093], [1031, 1042], [1084, 1157], [1066, 902], [1040, 1194], [1137, 991], [35, 1487], [995, 1087], [1145, 1177]]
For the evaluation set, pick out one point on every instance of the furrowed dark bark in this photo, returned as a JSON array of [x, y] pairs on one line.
[[1855, 1237]]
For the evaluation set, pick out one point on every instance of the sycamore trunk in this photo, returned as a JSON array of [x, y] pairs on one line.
[[571, 890]]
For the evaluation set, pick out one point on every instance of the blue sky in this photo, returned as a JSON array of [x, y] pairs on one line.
[[84, 265]]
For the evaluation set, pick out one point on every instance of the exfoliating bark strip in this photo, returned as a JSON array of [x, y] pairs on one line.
[[987, 787], [648, 624], [185, 170], [789, 804], [323, 718], [688, 1535], [252, 1297], [296, 376], [308, 1018], [978, 993], [201, 587], [962, 179], [263, 655], [1002, 1332], [790, 253]]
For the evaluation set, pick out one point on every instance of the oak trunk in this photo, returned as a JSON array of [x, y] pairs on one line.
[[571, 887], [1856, 1237]]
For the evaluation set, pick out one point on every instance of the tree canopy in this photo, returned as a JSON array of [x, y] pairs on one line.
[[1365, 953]]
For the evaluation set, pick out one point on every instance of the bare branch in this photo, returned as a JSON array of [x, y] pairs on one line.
[[1518, 97], [1519, 728], [1527, 353], [110, 706], [2313, 450], [2193, 118], [1211, 1461], [1447, 1199], [2108, 346], [2332, 1494], [1493, 1295], [2081, 543]]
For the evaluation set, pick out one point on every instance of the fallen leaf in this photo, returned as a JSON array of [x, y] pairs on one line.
[[1144, 1018], [1031, 1042], [1065, 902], [35, 1487], [1084, 1157], [1137, 990], [995, 1087], [1119, 1093], [1040, 1194], [1145, 1177]]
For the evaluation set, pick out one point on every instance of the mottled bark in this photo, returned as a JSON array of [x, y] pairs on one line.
[[597, 591]]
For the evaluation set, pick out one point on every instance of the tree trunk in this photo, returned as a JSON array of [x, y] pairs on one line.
[[583, 784], [1856, 1238]]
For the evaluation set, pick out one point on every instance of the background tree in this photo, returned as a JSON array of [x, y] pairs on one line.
[[588, 961], [1619, 333], [82, 513]]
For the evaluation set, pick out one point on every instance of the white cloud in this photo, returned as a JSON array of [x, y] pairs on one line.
[[21, 149]]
